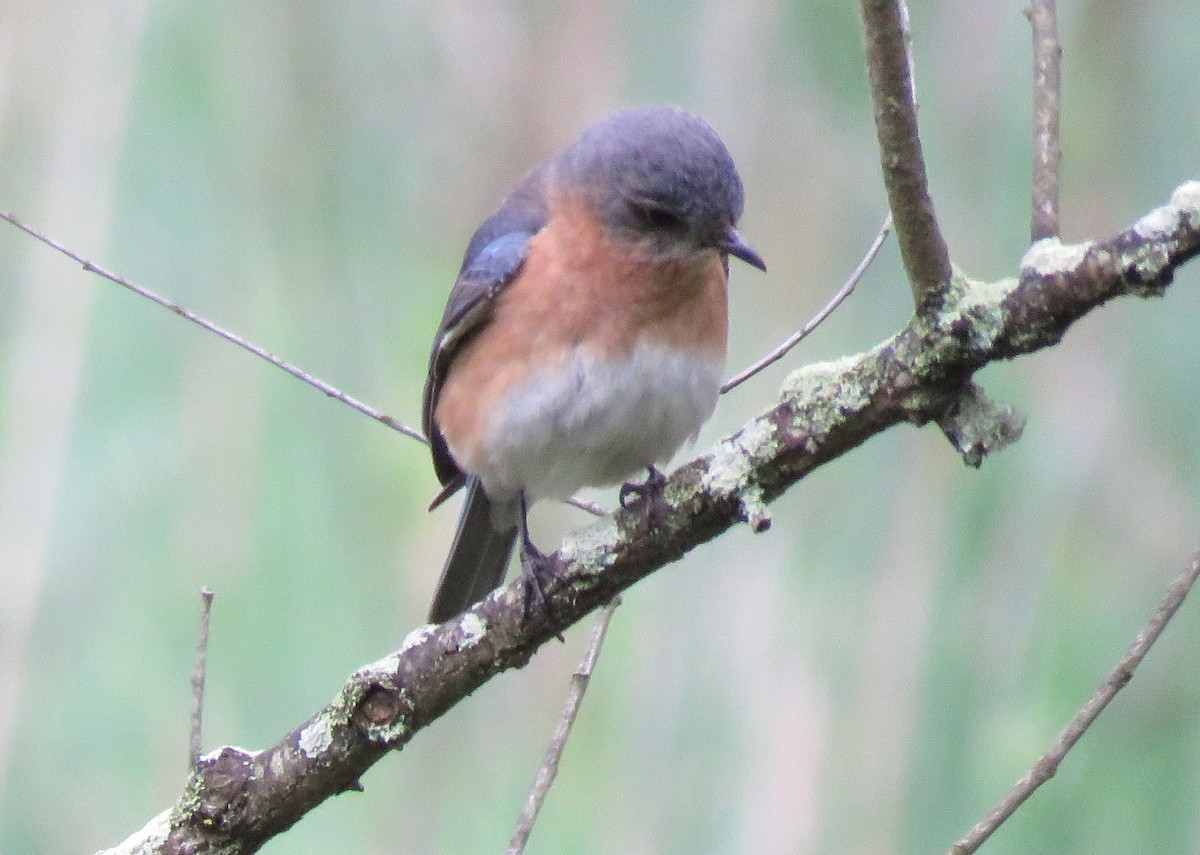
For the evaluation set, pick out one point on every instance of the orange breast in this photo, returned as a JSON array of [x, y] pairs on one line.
[[578, 289]]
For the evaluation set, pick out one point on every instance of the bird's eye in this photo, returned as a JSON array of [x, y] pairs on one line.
[[659, 217]]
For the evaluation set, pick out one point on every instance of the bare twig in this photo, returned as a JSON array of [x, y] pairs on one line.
[[198, 673], [584, 505], [1044, 769], [298, 373], [817, 319], [549, 770], [922, 247], [1047, 91]]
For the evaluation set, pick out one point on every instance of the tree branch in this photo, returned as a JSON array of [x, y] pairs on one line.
[[922, 247], [199, 670], [549, 769], [819, 318], [1047, 92], [1118, 678], [235, 799], [205, 324]]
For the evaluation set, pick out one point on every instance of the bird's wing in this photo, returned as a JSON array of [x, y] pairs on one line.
[[493, 260]]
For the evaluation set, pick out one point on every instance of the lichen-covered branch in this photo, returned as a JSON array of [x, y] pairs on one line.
[[237, 799], [922, 247]]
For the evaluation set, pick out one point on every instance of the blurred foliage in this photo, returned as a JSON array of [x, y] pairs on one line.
[[867, 677]]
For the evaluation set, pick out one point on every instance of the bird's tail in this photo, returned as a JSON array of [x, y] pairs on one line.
[[478, 557]]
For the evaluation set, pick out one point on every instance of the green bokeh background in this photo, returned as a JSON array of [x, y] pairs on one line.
[[867, 677]]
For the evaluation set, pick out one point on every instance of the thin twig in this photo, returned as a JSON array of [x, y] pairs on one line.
[[1044, 769], [198, 673], [584, 505], [548, 771], [278, 362], [922, 247], [298, 373], [1047, 92], [817, 319]]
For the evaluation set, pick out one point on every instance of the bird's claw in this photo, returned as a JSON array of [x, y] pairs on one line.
[[631, 491], [538, 571]]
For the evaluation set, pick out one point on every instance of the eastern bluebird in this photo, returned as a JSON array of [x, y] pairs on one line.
[[585, 338]]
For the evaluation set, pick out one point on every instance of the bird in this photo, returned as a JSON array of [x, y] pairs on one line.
[[584, 340]]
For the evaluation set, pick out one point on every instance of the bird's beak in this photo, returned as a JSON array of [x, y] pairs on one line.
[[734, 244]]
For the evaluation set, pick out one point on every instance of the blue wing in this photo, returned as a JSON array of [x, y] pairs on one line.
[[493, 259], [493, 267]]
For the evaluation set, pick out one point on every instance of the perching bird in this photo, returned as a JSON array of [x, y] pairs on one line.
[[585, 338]]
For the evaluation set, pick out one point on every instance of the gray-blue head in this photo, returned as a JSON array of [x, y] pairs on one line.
[[662, 175]]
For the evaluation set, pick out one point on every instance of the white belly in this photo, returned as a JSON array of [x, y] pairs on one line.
[[593, 422]]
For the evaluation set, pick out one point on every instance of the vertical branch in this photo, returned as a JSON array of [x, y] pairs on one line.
[[198, 673], [922, 247], [1047, 92]]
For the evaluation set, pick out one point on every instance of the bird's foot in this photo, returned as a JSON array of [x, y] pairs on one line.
[[631, 492], [538, 572]]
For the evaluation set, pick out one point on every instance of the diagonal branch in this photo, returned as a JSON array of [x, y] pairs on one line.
[[819, 318], [549, 769], [205, 324], [1117, 679], [922, 247], [236, 799]]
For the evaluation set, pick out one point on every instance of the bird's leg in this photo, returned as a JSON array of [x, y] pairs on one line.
[[629, 490], [537, 567]]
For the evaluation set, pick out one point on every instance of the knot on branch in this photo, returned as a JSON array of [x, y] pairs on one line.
[[378, 705], [382, 715], [214, 801], [976, 425]]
